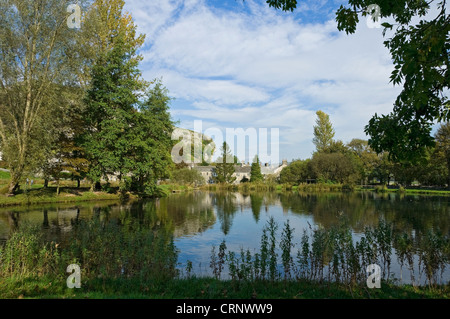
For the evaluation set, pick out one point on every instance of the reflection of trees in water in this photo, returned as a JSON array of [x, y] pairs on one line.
[[362, 209], [191, 213], [226, 209], [256, 202]]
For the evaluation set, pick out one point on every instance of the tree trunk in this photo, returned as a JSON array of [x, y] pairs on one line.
[[57, 187], [448, 181], [12, 188], [78, 183], [14, 182], [45, 223], [46, 183], [448, 172]]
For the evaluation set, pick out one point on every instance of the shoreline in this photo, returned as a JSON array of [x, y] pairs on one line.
[[38, 196]]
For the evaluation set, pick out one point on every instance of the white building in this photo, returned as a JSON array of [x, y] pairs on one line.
[[241, 171]]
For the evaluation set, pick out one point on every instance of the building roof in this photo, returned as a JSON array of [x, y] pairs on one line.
[[203, 168], [242, 169]]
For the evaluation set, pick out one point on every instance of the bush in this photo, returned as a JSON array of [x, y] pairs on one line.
[[187, 176], [381, 188]]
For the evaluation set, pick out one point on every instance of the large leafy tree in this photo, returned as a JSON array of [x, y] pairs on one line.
[[148, 156], [110, 104], [101, 20], [420, 52], [368, 158], [36, 56], [334, 167], [297, 172]]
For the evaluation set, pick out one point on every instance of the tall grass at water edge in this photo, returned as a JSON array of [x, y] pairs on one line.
[[334, 256], [102, 249], [128, 250]]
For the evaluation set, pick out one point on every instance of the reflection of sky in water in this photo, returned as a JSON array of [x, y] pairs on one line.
[[245, 232]]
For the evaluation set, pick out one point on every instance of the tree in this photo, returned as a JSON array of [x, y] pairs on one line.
[[435, 171], [224, 169], [148, 157], [368, 158], [255, 171], [102, 19], [335, 147], [36, 51], [187, 176], [442, 151], [420, 53], [383, 168], [297, 172], [323, 131], [334, 167], [111, 105]]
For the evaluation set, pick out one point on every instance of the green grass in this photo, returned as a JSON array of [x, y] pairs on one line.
[[4, 175], [48, 195], [407, 191], [204, 288]]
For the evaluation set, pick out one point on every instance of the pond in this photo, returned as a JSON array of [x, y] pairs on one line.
[[200, 220]]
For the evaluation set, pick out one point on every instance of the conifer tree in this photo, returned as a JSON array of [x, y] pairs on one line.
[[255, 172], [224, 170]]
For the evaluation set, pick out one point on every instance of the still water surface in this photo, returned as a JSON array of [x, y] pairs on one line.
[[201, 220]]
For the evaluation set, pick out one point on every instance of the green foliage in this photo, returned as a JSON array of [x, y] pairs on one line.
[[123, 135], [285, 5], [224, 169], [368, 160], [441, 156], [187, 176], [109, 112], [36, 71], [323, 131], [420, 54], [333, 255], [255, 172], [335, 167], [104, 249], [297, 172]]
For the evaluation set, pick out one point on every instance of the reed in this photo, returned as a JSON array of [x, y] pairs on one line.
[[105, 249], [332, 255]]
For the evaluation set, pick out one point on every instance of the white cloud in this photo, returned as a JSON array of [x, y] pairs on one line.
[[265, 69]]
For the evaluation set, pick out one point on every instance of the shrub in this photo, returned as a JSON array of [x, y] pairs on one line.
[[187, 176]]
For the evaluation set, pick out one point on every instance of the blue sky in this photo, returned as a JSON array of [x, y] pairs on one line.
[[241, 64]]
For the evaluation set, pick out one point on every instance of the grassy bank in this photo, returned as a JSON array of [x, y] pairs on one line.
[[402, 190], [49, 195], [205, 288]]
